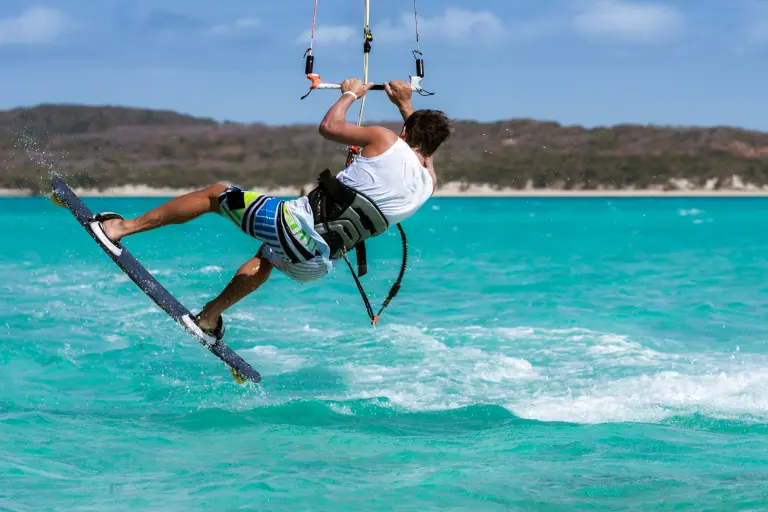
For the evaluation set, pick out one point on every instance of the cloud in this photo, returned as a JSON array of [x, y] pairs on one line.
[[172, 23], [329, 34], [239, 26], [37, 25], [455, 25], [757, 26], [165, 21], [640, 22]]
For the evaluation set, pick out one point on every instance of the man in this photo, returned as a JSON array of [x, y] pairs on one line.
[[388, 182]]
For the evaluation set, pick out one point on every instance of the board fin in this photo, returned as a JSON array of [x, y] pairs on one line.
[[55, 200]]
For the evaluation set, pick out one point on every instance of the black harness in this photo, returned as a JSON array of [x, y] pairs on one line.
[[346, 218]]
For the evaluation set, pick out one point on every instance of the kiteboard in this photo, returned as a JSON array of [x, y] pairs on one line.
[[64, 196]]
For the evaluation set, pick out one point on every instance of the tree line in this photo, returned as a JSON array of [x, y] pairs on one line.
[[100, 147]]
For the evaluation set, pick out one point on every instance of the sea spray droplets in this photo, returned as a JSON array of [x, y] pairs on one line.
[[34, 151]]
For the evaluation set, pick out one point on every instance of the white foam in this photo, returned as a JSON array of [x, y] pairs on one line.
[[417, 395], [285, 360], [624, 351], [341, 409], [690, 212], [148, 311], [414, 337], [654, 397], [369, 374], [517, 332], [48, 279], [573, 343], [427, 374], [588, 409], [539, 333], [574, 374], [501, 368], [161, 272], [212, 269], [242, 316], [68, 353], [76, 287]]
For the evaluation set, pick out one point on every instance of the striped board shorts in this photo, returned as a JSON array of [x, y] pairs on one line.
[[285, 243]]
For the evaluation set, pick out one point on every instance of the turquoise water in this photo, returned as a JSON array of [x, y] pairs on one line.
[[548, 354]]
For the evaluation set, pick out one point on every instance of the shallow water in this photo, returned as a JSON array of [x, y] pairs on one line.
[[544, 354]]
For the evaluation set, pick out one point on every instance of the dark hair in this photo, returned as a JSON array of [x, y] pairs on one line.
[[425, 130]]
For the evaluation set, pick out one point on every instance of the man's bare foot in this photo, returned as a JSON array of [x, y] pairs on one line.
[[113, 229]]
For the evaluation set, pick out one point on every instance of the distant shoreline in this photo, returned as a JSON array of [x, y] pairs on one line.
[[452, 189]]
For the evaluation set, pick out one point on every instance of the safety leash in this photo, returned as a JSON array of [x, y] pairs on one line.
[[392, 291]]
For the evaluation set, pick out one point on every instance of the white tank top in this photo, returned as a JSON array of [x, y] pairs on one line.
[[395, 180]]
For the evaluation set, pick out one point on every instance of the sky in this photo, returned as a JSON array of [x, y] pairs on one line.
[[587, 62]]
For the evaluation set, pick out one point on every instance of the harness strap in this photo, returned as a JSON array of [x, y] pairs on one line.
[[362, 259], [360, 210], [359, 219], [360, 289], [335, 189], [392, 291]]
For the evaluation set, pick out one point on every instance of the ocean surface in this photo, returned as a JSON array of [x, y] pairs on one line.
[[544, 354]]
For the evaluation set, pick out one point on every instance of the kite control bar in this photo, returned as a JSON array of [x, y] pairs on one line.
[[317, 83]]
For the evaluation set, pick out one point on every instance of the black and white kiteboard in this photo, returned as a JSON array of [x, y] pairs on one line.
[[64, 196]]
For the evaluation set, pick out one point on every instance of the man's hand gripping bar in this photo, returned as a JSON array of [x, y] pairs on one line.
[[317, 83]]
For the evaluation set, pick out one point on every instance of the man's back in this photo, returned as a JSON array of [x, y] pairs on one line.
[[395, 180]]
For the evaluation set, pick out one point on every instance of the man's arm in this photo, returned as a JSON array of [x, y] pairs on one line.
[[400, 93], [335, 127], [406, 109]]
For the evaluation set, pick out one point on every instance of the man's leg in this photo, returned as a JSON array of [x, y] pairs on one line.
[[248, 279], [176, 211]]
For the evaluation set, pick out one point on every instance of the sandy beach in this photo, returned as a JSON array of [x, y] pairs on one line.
[[451, 189]]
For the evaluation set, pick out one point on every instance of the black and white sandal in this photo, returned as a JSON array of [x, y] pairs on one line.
[[97, 228]]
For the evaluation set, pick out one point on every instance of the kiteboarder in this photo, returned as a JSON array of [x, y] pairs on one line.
[[388, 181]]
